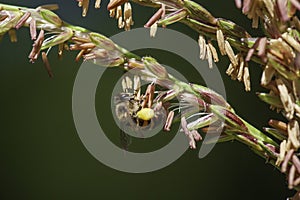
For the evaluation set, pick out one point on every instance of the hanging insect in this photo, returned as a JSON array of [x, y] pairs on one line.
[[136, 112]]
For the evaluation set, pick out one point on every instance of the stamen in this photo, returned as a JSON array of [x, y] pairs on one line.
[[279, 125], [241, 68], [47, 64], [50, 6], [60, 49], [282, 151], [293, 132], [246, 78], [79, 55], [85, 7], [202, 46], [213, 51], [169, 121], [286, 160], [154, 18], [209, 57], [115, 3], [296, 163], [221, 42], [230, 53], [291, 176], [32, 27], [97, 3], [238, 4], [12, 35], [285, 98], [282, 8], [296, 4], [153, 30], [267, 75], [22, 21]]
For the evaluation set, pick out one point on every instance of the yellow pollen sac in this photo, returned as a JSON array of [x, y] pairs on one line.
[[145, 114]]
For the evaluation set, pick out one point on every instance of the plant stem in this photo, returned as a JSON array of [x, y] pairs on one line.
[[113, 55]]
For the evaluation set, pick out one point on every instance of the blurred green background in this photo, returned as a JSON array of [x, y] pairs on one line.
[[42, 156]]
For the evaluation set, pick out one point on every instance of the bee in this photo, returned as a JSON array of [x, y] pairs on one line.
[[134, 111], [132, 107]]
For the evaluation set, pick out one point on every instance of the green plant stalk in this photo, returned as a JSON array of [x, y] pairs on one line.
[[259, 142]]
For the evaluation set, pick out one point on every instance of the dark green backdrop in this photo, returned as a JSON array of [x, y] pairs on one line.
[[42, 156]]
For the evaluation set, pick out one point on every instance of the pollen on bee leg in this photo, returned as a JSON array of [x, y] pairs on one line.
[[145, 114]]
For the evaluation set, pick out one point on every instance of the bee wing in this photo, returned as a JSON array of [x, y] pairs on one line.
[[137, 86]]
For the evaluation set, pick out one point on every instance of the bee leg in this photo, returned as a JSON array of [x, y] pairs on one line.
[[125, 140]]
